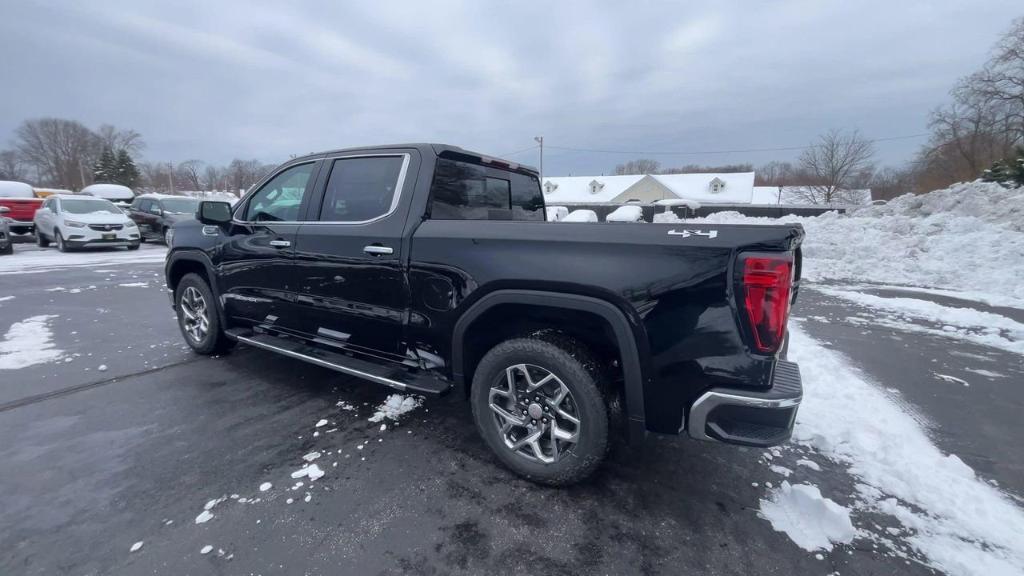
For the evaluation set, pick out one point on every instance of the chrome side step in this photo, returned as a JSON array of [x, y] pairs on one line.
[[393, 376]]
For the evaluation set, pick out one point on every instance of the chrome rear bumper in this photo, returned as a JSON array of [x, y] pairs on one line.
[[747, 417]]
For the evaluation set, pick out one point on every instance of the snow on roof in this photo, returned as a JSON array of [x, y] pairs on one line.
[[735, 187], [11, 189], [586, 188], [108, 191]]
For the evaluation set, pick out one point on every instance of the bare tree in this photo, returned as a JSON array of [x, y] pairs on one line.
[[188, 172], [213, 178], [888, 183], [776, 174], [834, 164], [117, 140], [11, 166], [700, 169], [638, 166], [61, 151], [1001, 82]]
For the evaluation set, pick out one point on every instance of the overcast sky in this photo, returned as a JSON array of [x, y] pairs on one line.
[[218, 80]]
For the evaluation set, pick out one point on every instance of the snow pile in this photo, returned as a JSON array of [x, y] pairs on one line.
[[960, 523], [395, 406], [28, 342], [627, 213], [967, 237], [581, 216], [811, 521]]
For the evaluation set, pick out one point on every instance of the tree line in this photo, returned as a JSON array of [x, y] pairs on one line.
[[979, 134], [63, 153]]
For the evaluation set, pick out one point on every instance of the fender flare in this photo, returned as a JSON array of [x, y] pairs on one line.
[[629, 351], [199, 257]]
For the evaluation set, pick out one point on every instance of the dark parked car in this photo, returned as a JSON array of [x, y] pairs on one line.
[[156, 213], [428, 268]]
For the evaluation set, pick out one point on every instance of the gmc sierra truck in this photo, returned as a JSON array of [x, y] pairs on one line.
[[430, 268]]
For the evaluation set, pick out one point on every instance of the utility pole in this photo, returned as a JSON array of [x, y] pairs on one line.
[[170, 175], [540, 140]]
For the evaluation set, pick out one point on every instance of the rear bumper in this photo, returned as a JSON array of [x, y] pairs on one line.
[[20, 226], [747, 417]]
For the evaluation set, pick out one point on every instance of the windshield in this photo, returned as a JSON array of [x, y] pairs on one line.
[[180, 205], [75, 206]]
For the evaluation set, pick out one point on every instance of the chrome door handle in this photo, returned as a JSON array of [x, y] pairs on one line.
[[378, 250], [280, 243]]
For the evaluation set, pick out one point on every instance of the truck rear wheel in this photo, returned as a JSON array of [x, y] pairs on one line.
[[538, 404]]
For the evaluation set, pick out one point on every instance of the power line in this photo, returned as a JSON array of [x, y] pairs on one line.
[[534, 147], [702, 152]]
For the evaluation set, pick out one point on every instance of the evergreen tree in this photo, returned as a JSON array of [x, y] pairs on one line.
[[126, 173], [105, 169], [1008, 172]]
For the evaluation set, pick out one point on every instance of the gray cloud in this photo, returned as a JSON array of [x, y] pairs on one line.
[[216, 80]]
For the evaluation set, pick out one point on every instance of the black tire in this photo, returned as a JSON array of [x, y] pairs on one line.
[[41, 240], [133, 246], [574, 365], [214, 341], [8, 250], [59, 240]]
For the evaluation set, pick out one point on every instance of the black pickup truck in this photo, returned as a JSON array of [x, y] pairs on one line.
[[430, 268]]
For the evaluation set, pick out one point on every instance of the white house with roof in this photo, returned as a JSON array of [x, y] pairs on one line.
[[729, 188]]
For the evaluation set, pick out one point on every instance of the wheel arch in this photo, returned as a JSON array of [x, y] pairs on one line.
[[624, 338], [182, 262]]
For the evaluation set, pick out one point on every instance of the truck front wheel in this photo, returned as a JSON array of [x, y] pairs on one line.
[[538, 404]]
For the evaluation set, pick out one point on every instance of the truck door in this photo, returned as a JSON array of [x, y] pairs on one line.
[[256, 277], [351, 281]]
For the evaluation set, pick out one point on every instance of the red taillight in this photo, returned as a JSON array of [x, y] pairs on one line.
[[767, 281]]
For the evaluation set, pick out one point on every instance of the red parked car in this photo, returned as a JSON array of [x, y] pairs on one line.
[[22, 204]]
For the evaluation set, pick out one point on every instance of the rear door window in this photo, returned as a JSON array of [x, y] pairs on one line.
[[467, 191], [361, 189]]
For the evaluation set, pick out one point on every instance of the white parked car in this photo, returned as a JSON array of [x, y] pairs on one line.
[[76, 221]]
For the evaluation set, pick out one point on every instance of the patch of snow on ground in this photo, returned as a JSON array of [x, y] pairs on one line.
[[968, 237], [204, 517], [27, 343], [135, 547], [811, 521], [986, 373], [266, 486], [311, 471], [311, 456], [206, 549], [953, 379], [48, 260], [395, 406], [809, 463], [321, 423], [135, 285], [6, 298], [960, 523]]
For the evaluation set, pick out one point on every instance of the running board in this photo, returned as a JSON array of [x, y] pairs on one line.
[[393, 376]]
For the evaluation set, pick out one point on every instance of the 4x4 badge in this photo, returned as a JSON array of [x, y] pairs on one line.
[[688, 233]]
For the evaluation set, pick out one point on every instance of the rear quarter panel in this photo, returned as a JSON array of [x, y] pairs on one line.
[[675, 290]]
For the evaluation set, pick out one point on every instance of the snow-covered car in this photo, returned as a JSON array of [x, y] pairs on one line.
[[76, 221], [6, 243], [113, 192]]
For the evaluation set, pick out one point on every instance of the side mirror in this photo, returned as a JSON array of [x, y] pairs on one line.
[[4, 209], [213, 212]]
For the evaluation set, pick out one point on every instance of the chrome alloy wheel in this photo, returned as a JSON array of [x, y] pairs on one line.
[[535, 413], [196, 314]]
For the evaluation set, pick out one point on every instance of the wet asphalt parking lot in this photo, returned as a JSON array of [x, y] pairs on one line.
[[95, 460]]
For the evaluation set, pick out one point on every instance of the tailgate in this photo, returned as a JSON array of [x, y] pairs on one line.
[[22, 209]]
